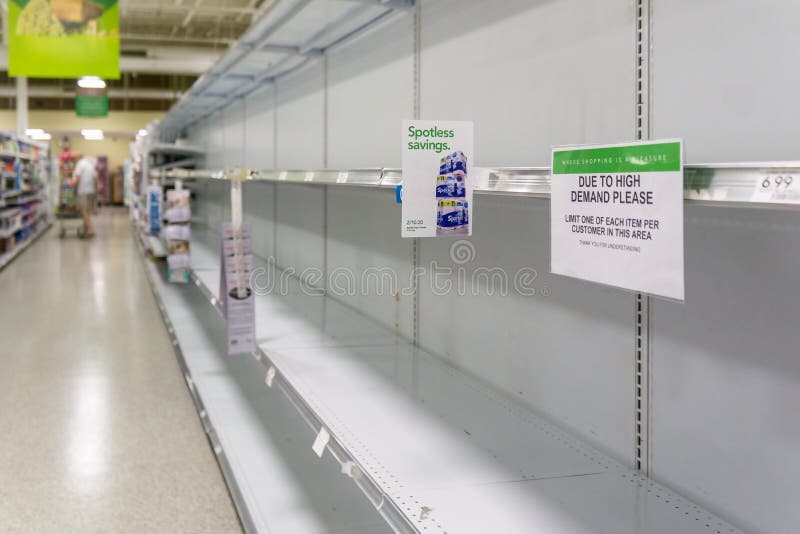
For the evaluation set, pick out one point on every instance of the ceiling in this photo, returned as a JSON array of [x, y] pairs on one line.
[[165, 45], [206, 24]]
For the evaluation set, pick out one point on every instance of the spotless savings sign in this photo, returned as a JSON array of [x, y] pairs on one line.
[[617, 215]]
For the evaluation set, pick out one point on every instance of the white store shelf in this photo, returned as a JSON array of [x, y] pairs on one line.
[[435, 449], [773, 184], [277, 482]]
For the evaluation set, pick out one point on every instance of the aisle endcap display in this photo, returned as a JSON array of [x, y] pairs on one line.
[[763, 184]]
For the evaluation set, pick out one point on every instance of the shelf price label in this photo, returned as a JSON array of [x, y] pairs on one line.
[[616, 215], [321, 441]]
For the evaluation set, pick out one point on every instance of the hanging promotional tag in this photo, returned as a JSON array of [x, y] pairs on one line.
[[437, 186], [236, 296]]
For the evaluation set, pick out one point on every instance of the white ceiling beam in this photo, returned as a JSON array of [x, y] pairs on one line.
[[159, 61], [177, 39], [197, 9], [10, 91], [167, 65], [250, 5], [187, 19]]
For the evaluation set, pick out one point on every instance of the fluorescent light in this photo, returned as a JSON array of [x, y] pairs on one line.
[[30, 132], [92, 134], [42, 137], [91, 82], [142, 132]]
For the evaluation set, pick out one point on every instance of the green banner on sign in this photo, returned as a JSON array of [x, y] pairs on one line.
[[654, 157], [63, 38], [91, 105]]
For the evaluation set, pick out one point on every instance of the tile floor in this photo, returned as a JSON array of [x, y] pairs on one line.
[[99, 431]]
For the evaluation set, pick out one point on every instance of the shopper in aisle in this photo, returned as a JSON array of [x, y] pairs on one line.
[[85, 177]]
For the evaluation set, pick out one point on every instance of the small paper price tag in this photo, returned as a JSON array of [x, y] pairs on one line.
[[321, 442], [270, 376]]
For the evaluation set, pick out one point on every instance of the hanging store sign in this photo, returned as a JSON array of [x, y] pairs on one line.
[[90, 102], [616, 215], [236, 295], [178, 234], [63, 38], [437, 189]]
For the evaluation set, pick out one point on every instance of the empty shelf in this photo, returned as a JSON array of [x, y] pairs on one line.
[[437, 450], [278, 484]]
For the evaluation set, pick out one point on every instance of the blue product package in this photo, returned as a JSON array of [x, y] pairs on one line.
[[450, 216], [458, 162], [451, 184], [460, 178], [445, 166], [441, 187]]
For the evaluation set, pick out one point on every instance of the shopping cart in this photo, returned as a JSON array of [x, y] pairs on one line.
[[68, 214]]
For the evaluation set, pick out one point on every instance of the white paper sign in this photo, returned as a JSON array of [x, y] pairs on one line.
[[437, 185], [235, 291], [616, 215]]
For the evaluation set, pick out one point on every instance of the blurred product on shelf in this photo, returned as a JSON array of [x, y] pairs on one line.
[[117, 186], [24, 194], [103, 193]]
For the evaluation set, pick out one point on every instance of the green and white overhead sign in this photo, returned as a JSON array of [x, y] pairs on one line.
[[63, 38], [616, 215], [91, 102]]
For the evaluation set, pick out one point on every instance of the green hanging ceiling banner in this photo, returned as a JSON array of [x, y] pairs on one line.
[[90, 102], [63, 38]]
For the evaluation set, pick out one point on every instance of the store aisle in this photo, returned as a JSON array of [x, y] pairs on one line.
[[99, 431]]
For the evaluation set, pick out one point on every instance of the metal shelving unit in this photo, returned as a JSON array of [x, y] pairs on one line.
[[286, 38], [425, 442], [29, 197], [627, 372], [276, 485]]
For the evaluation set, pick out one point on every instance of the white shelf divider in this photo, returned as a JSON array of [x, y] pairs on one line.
[[433, 449]]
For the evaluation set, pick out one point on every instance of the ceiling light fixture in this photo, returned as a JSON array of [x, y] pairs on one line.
[[91, 82], [30, 132], [142, 133], [44, 136], [92, 134]]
